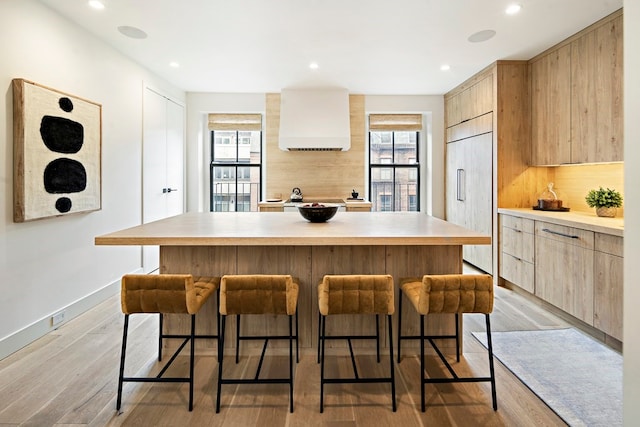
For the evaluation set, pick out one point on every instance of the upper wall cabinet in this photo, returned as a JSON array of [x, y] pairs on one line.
[[596, 109], [551, 108], [471, 102], [576, 98]]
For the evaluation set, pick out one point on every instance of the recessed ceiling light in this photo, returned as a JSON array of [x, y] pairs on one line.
[[513, 9], [133, 32], [445, 67], [96, 4], [313, 65], [174, 64], [481, 36]]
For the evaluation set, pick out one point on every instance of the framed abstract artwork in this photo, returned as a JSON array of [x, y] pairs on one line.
[[57, 153]]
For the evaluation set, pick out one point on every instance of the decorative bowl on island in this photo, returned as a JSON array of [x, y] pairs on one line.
[[318, 212]]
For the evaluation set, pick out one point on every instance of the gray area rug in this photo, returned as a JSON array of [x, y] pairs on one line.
[[579, 378]]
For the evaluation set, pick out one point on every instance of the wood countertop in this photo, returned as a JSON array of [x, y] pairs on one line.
[[585, 220], [290, 229]]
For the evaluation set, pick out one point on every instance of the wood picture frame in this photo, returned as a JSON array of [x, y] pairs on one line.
[[57, 168]]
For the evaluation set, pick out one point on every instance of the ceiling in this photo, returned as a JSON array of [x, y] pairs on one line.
[[367, 46]]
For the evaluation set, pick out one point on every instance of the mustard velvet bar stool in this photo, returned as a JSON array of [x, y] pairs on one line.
[[456, 294], [164, 294], [359, 295], [258, 294]]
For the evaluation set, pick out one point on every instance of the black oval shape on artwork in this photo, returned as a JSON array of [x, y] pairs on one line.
[[61, 135], [63, 204], [65, 176], [65, 104]]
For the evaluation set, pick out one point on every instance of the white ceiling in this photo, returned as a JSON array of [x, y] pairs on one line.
[[366, 46]]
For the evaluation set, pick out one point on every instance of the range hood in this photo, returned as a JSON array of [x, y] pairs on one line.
[[314, 120]]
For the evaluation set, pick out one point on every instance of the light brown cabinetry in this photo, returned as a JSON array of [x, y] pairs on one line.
[[576, 98], [551, 108], [608, 283], [495, 103], [517, 251], [471, 102], [564, 268]]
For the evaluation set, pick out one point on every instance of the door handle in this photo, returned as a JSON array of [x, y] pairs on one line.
[[169, 190], [460, 178], [546, 230]]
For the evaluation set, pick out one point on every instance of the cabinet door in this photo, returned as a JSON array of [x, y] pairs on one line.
[[608, 304], [564, 269], [452, 111], [596, 102], [608, 294], [478, 197], [551, 108], [455, 184]]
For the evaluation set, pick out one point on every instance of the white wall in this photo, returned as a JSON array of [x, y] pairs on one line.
[[632, 212], [432, 170], [53, 264]]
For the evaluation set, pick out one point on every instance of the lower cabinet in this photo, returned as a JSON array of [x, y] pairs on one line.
[[577, 270], [608, 267], [517, 251], [564, 268]]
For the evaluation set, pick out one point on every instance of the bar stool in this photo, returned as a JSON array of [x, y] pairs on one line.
[[258, 294], [456, 294], [164, 294], [356, 294]]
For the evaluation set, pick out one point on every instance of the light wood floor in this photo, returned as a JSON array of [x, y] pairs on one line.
[[69, 377]]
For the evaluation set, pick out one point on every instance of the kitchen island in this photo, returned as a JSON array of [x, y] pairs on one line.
[[213, 244]]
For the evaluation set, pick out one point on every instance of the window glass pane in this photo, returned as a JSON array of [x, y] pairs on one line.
[[249, 147], [405, 189], [381, 189], [380, 147], [224, 146], [405, 147]]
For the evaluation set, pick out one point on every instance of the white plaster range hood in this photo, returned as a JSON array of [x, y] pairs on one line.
[[314, 119]]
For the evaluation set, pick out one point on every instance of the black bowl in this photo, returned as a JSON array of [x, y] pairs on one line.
[[318, 213]]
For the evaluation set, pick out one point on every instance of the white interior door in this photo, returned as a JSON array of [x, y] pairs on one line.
[[163, 165]]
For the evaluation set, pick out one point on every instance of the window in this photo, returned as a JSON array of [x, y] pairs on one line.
[[236, 162], [394, 172]]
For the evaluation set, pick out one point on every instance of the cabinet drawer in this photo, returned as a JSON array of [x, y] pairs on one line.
[[609, 244], [518, 244], [517, 271], [568, 235], [516, 223]]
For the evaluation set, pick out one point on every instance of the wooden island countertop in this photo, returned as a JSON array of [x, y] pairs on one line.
[[402, 244], [289, 228]]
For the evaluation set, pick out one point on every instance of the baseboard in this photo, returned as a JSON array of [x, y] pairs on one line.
[[39, 328]]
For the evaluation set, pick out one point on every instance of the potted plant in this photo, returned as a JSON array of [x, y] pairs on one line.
[[606, 201]]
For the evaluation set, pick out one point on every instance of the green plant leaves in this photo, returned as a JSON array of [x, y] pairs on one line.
[[607, 198]]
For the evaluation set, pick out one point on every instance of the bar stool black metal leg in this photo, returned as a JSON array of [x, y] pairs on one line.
[[122, 357], [399, 323], [322, 339], [160, 335], [458, 336], [291, 364], [377, 339], [393, 376], [422, 383], [220, 359], [191, 360], [491, 368], [237, 337]]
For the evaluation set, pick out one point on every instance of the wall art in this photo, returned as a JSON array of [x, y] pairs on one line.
[[57, 152]]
